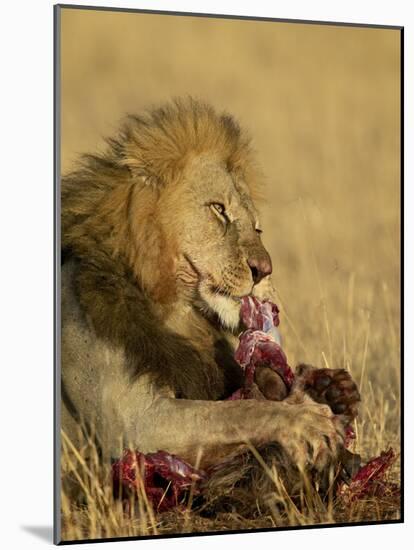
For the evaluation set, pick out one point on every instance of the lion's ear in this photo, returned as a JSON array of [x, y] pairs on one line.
[[151, 153], [139, 168], [156, 166], [132, 152]]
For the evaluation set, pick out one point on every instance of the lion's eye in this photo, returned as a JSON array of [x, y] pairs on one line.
[[220, 211], [219, 208], [259, 230]]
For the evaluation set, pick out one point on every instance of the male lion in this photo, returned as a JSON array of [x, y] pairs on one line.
[[160, 240]]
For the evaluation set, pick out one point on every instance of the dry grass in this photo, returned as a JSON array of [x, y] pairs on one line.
[[322, 104], [89, 510]]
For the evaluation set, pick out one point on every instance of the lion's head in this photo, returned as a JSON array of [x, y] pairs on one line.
[[219, 253], [174, 196]]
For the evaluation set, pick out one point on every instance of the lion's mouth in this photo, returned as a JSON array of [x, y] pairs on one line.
[[221, 304], [214, 300], [207, 280], [225, 293]]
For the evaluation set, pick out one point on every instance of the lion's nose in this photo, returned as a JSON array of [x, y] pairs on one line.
[[260, 267]]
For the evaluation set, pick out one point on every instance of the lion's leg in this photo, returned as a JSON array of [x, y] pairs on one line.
[[206, 432]]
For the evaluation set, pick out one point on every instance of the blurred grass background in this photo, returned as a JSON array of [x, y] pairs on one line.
[[322, 104]]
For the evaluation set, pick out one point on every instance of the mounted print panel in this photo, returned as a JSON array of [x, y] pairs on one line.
[[228, 274]]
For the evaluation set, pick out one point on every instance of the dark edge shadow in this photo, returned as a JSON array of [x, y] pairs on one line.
[[42, 532], [402, 261], [56, 275], [230, 16], [57, 367]]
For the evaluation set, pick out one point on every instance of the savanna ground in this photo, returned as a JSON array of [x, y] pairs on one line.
[[322, 105]]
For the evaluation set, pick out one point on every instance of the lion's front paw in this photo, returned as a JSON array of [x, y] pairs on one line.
[[333, 387], [311, 436]]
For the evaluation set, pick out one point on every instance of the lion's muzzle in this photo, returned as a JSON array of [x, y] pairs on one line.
[[260, 265]]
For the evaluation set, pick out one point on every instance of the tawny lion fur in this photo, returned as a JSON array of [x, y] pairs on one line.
[[118, 240], [158, 237]]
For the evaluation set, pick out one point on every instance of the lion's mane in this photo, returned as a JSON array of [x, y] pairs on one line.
[[123, 262]]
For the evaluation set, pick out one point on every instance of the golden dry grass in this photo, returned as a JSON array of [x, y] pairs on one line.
[[322, 104]]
